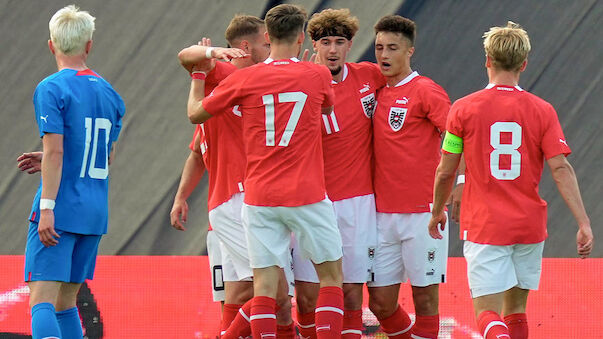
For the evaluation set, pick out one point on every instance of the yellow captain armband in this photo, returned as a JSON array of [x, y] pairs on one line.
[[452, 143]]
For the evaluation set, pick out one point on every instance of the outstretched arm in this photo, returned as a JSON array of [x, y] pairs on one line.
[[567, 183]]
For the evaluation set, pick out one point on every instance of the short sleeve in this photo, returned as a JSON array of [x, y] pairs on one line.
[[453, 123], [48, 106], [120, 112], [553, 140], [224, 96], [436, 104], [194, 146]]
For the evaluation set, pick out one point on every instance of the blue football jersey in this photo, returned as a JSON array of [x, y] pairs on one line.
[[87, 111]]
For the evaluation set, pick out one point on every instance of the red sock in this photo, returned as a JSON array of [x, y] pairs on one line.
[[306, 326], [427, 326], [229, 312], [518, 325], [491, 326], [263, 317], [285, 331], [397, 325], [329, 312], [240, 326], [352, 324]]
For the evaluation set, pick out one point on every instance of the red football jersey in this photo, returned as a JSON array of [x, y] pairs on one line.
[[281, 105], [221, 144], [506, 133], [408, 124], [347, 132]]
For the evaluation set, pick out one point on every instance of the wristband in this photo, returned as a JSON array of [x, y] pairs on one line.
[[47, 204], [198, 75], [460, 179], [208, 52]]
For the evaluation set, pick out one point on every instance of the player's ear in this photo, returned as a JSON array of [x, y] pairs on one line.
[[50, 46], [244, 45], [301, 38], [488, 62], [88, 46], [411, 51], [267, 37], [523, 65], [350, 45]]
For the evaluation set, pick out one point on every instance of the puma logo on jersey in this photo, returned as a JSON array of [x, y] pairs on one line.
[[46, 117], [237, 111], [402, 101], [563, 142], [366, 87]]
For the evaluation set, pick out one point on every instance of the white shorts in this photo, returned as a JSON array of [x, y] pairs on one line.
[[406, 251], [225, 220], [215, 266], [494, 269], [357, 222], [228, 227], [269, 233]]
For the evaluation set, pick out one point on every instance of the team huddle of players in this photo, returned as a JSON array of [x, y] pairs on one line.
[[346, 162], [325, 173]]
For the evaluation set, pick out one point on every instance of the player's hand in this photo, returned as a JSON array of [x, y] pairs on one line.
[[455, 200], [30, 162], [305, 55], [584, 241], [179, 215], [46, 231], [439, 220], [228, 54]]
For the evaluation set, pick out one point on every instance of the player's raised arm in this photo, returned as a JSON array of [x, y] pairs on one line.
[[565, 178], [52, 165]]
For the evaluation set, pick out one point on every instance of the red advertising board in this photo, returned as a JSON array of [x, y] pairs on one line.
[[170, 297]]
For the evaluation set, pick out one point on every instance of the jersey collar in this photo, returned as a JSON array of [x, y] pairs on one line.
[[345, 75], [269, 60], [490, 86], [406, 80]]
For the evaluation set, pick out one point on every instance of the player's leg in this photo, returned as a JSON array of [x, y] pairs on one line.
[[319, 240], [67, 312], [356, 219], [490, 272], [527, 260], [425, 261], [268, 241], [285, 328], [42, 298], [82, 268], [306, 291], [388, 274], [514, 309], [45, 269]]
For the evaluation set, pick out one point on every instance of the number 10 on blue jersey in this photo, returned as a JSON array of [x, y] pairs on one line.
[[94, 130]]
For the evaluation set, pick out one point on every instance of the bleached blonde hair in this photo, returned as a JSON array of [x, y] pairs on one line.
[[70, 30], [507, 47]]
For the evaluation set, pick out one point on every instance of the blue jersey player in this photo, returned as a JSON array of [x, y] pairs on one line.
[[79, 118]]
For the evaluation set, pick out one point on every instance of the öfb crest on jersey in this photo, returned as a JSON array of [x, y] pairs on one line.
[[396, 118]]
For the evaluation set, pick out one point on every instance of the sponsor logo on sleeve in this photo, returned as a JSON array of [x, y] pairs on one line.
[[46, 117], [563, 142], [368, 105], [396, 117]]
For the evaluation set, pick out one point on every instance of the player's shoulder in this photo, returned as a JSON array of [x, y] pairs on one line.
[[363, 66], [538, 101], [427, 83]]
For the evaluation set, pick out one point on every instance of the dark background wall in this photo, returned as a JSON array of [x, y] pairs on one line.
[[135, 48]]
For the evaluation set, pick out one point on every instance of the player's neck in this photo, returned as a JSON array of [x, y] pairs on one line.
[[395, 79], [284, 51], [76, 62], [503, 78], [241, 62]]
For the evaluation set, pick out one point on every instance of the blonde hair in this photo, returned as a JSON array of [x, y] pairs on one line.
[[333, 22], [241, 26], [507, 47], [70, 30]]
